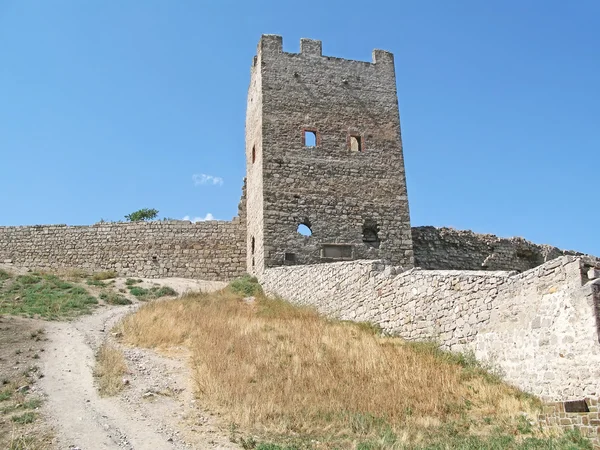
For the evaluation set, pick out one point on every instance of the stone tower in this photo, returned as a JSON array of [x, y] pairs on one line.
[[323, 150]]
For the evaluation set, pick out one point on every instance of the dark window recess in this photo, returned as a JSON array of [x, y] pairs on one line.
[[371, 234], [253, 262], [310, 138], [576, 406], [304, 228], [253, 154], [289, 257], [336, 251], [252, 245], [356, 143]]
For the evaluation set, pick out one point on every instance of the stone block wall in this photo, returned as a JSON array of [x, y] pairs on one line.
[[537, 327], [213, 250], [353, 199], [588, 423], [450, 249]]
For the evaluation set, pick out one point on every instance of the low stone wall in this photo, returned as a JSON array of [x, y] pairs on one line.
[[450, 249], [417, 304], [538, 327], [212, 250]]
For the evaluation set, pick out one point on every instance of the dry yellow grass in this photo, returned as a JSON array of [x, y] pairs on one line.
[[110, 368], [274, 368]]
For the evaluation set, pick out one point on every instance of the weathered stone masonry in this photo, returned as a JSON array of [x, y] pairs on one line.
[[446, 248], [349, 188], [212, 250]]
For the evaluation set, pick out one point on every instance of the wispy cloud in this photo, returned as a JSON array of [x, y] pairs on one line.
[[202, 178], [209, 216]]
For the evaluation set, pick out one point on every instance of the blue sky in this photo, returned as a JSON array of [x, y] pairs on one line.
[[109, 106]]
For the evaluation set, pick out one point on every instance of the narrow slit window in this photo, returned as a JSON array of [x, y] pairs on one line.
[[356, 143], [252, 245], [310, 138], [253, 154]]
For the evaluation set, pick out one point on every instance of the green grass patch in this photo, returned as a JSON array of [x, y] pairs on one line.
[[27, 417], [139, 292], [152, 293], [439, 439], [46, 296], [5, 395], [247, 286], [163, 291], [97, 283], [112, 298], [131, 281], [34, 403]]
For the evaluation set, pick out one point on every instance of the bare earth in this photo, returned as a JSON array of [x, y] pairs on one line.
[[156, 410]]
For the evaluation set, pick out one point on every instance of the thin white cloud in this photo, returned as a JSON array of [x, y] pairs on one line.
[[209, 216], [202, 178]]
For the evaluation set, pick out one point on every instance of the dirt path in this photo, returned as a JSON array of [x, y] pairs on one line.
[[157, 410]]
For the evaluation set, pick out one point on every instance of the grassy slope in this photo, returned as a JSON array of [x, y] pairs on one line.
[[286, 375]]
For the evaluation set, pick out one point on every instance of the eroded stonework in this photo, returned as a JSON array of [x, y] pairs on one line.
[[348, 186]]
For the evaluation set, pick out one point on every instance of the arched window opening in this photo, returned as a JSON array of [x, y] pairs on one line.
[[371, 234], [304, 228], [355, 143], [310, 138]]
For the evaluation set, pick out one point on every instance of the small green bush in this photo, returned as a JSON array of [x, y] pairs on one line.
[[113, 298], [139, 292], [246, 286], [164, 292], [131, 281]]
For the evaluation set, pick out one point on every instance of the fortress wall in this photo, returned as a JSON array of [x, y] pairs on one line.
[[450, 249], [213, 250], [538, 327], [543, 331]]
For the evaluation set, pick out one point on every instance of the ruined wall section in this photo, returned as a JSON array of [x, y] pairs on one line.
[[539, 327], [213, 250], [329, 187], [450, 249]]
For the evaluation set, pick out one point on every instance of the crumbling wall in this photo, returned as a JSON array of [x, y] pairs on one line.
[[213, 250], [538, 327], [450, 249]]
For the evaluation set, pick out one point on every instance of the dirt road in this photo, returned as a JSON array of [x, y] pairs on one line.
[[157, 410]]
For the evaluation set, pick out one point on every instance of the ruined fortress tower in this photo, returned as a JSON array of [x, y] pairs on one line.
[[323, 149]]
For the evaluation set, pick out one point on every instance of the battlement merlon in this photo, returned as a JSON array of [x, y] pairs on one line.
[[272, 45]]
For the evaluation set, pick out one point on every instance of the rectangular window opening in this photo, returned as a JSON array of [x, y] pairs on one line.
[[355, 143], [310, 138], [289, 258]]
